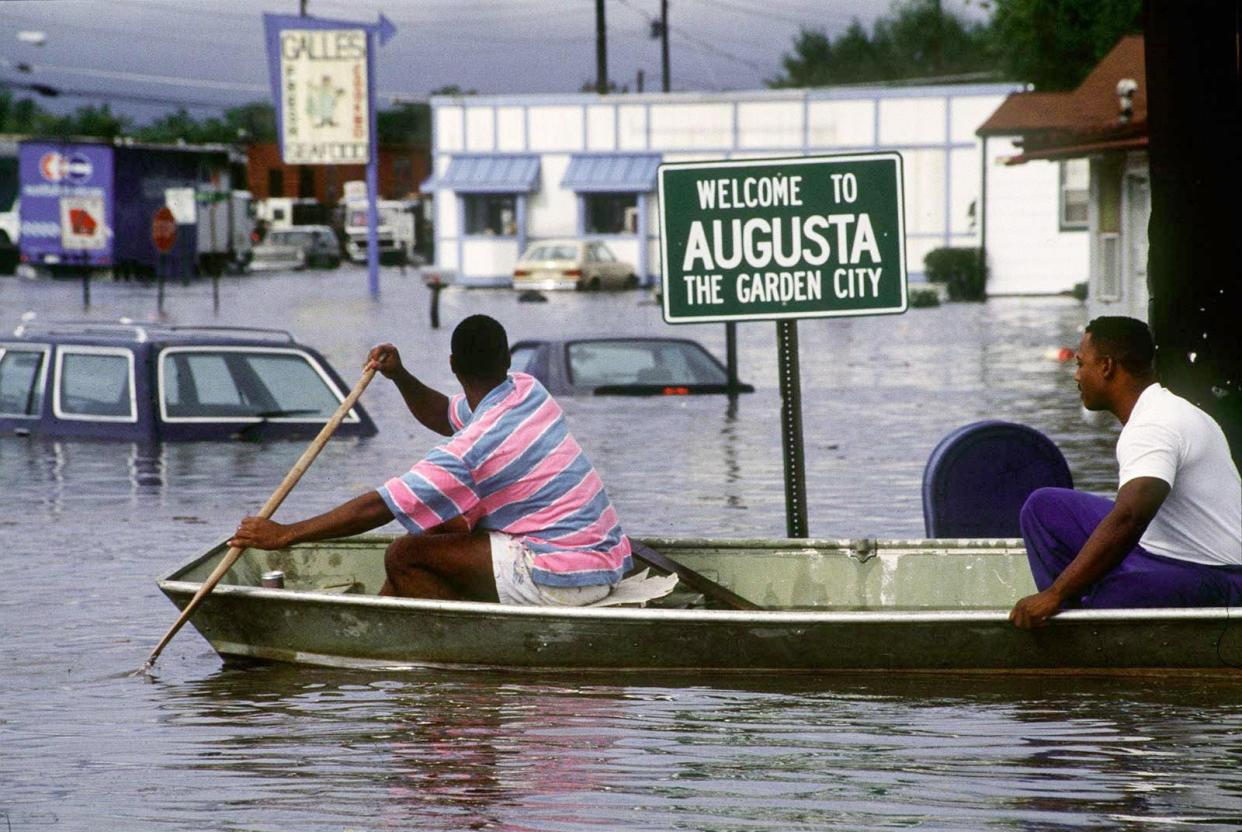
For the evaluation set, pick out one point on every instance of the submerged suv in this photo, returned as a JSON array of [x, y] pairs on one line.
[[149, 383]]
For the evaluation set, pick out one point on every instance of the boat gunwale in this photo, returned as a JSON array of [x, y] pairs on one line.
[[769, 617]]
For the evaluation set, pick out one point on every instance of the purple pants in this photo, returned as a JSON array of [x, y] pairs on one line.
[[1056, 522]]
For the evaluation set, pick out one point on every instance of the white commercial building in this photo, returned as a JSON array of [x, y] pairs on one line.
[[512, 170]]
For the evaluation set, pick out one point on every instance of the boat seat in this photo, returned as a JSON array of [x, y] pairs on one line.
[[978, 477]]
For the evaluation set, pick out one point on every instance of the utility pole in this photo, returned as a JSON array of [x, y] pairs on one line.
[[639, 83], [664, 43], [302, 8], [601, 49]]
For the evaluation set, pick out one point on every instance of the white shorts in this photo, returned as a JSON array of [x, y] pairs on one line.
[[511, 564]]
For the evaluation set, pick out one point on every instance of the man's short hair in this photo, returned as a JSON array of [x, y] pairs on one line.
[[480, 348], [1127, 341]]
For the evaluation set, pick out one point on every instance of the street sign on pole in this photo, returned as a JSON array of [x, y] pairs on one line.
[[163, 229], [783, 239], [771, 239], [323, 81]]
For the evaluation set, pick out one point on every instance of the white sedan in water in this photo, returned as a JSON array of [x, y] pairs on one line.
[[572, 264]]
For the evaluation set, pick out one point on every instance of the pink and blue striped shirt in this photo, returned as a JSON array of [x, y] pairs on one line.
[[512, 466]]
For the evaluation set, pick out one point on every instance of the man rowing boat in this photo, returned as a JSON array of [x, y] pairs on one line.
[[1173, 538], [509, 509]]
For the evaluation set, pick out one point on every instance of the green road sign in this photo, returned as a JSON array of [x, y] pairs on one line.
[[766, 239]]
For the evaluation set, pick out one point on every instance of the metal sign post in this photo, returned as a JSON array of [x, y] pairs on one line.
[[791, 428], [323, 81], [782, 239]]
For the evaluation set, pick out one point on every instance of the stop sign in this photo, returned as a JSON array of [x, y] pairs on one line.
[[163, 229]]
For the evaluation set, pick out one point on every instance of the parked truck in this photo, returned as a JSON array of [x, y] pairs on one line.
[[89, 206], [395, 231]]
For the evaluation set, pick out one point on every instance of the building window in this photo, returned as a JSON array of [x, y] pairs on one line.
[[491, 214], [306, 182], [402, 176], [610, 213], [275, 182], [1075, 194]]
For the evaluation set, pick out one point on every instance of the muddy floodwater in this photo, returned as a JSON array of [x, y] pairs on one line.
[[88, 527]]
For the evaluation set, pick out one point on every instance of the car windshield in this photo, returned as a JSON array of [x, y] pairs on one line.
[[599, 363], [220, 384], [566, 252], [522, 357]]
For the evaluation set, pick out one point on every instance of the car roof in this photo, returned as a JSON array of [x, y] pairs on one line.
[[104, 333], [634, 339], [566, 241], [301, 228]]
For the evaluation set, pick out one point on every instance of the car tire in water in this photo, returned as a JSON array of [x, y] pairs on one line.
[[594, 285], [631, 282]]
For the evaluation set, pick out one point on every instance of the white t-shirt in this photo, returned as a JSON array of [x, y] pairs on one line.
[[1169, 438]]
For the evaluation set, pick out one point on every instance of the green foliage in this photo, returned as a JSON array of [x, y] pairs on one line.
[[1050, 43], [916, 39], [404, 124], [25, 117], [1054, 44], [924, 298], [1079, 292], [960, 269], [255, 122]]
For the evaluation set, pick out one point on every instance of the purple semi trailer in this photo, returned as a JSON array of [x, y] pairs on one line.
[[89, 205]]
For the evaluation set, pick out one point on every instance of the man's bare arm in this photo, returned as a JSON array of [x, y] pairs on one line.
[[1118, 533], [430, 407], [361, 514]]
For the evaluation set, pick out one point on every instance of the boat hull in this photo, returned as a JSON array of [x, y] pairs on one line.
[[314, 626]]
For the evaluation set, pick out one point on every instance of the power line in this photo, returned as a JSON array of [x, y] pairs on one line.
[[110, 95]]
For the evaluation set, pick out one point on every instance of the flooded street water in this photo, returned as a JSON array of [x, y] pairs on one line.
[[88, 527]]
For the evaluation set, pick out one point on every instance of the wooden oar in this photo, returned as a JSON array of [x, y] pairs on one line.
[[699, 583], [273, 502]]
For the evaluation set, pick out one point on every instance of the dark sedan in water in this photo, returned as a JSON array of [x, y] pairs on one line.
[[623, 366], [149, 383]]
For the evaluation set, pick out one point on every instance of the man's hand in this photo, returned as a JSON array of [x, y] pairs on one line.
[[386, 359], [260, 533], [1035, 610]]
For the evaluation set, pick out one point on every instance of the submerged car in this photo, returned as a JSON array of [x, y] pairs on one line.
[[623, 366], [572, 264], [288, 249], [150, 383]]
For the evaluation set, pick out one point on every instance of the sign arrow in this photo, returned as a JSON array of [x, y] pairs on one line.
[[386, 29]]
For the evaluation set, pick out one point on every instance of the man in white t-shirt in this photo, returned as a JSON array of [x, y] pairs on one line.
[[1173, 538]]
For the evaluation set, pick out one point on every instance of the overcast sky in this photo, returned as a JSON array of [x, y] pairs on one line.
[[216, 47]]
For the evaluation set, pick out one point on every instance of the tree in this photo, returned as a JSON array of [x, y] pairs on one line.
[[916, 39], [1053, 44], [89, 120], [406, 123]]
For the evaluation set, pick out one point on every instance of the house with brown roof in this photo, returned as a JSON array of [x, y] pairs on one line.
[[1095, 136]]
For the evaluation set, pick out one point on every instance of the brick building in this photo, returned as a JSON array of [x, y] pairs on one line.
[[401, 169]]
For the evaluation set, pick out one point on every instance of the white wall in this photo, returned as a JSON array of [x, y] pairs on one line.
[[551, 211], [1027, 251], [933, 129]]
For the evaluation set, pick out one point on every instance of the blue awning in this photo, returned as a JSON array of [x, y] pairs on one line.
[[493, 173], [614, 172]]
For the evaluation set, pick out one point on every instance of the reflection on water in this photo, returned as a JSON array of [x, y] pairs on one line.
[[88, 526]]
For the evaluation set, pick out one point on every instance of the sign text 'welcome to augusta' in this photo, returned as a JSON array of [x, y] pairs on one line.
[[766, 239]]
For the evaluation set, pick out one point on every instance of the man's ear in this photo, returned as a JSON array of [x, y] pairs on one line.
[[1108, 366]]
